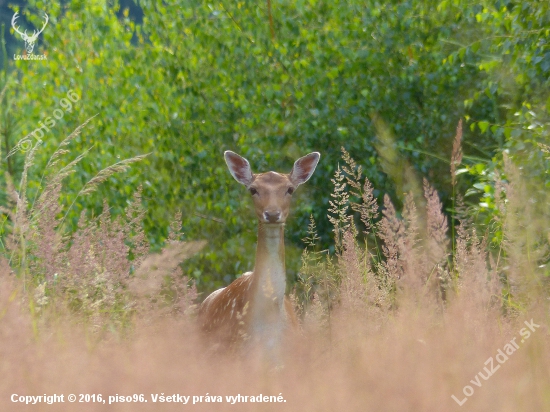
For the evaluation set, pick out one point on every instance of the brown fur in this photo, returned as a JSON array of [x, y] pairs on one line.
[[255, 303]]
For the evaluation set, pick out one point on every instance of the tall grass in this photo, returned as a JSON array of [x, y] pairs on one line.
[[95, 272], [399, 318]]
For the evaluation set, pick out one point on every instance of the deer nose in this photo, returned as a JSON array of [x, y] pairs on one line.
[[272, 216]]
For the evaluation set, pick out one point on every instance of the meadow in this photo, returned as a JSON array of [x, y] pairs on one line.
[[417, 254], [393, 322]]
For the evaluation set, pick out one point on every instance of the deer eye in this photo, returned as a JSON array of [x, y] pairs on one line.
[[290, 190], [252, 191]]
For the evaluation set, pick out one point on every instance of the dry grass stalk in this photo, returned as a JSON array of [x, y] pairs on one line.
[[150, 275], [437, 226], [317, 279], [54, 159], [525, 228], [352, 289], [338, 211], [477, 284], [392, 232], [133, 230], [437, 243], [412, 253], [3, 92], [104, 174], [456, 157], [368, 206], [47, 245]]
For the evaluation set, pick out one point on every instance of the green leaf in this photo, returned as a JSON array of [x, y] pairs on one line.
[[483, 125]]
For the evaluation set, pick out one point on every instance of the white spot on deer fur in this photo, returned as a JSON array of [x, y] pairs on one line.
[[267, 314]]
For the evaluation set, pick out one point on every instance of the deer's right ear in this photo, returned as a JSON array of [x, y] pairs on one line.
[[239, 167]]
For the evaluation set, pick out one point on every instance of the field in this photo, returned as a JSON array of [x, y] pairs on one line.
[[413, 331], [417, 254]]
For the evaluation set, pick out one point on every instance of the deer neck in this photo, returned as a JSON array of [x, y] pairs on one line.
[[269, 270]]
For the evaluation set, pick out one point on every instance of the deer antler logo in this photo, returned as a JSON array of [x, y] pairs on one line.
[[29, 40]]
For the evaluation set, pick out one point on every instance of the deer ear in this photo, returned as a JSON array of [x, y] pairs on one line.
[[303, 168], [239, 167]]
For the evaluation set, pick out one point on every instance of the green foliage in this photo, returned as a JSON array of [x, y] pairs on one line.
[[198, 78], [509, 45]]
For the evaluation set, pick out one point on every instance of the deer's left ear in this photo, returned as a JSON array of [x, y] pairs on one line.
[[304, 168]]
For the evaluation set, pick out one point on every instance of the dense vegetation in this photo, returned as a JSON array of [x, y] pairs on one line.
[[387, 81]]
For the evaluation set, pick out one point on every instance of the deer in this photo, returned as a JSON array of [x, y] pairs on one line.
[[254, 306], [29, 40]]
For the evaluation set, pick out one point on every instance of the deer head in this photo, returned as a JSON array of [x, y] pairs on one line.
[[271, 191], [29, 40]]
